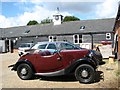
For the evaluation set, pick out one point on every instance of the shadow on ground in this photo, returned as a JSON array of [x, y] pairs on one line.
[[70, 78], [99, 76], [64, 78]]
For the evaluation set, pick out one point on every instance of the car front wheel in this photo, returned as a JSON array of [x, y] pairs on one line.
[[24, 71], [85, 73]]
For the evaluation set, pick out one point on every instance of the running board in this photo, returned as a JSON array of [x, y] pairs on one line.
[[57, 73]]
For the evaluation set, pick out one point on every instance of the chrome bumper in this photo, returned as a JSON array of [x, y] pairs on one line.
[[11, 66]]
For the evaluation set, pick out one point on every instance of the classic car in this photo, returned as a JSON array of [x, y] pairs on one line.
[[66, 59]]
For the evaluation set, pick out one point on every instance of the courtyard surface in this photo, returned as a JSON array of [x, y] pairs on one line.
[[107, 77]]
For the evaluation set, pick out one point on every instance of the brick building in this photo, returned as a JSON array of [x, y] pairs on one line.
[[117, 34]]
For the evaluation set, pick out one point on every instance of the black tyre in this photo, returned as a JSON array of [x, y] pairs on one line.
[[85, 73], [25, 72]]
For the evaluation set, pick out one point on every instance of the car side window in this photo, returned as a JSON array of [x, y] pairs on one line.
[[51, 46], [42, 46], [66, 46], [24, 45]]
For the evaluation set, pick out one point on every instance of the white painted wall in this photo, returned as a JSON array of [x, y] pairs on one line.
[[2, 46]]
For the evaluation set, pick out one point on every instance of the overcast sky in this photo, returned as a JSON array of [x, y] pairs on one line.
[[19, 12]]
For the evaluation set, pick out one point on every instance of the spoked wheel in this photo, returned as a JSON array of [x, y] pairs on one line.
[[24, 71], [85, 73]]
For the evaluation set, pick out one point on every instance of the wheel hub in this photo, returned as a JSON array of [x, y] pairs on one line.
[[84, 73], [23, 71]]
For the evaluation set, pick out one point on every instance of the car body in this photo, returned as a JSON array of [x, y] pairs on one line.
[[24, 46], [81, 62]]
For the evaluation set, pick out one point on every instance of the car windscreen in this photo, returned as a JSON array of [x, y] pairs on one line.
[[69, 46]]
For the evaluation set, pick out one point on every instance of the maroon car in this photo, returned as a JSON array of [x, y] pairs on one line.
[[66, 59]]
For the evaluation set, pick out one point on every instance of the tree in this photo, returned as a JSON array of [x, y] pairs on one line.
[[45, 21], [70, 18], [33, 22]]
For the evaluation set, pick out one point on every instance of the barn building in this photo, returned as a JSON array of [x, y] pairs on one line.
[[92, 32]]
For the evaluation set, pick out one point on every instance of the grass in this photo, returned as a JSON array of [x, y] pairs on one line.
[[116, 63], [118, 73]]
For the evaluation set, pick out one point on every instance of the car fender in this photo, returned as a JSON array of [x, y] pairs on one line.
[[78, 62], [21, 62]]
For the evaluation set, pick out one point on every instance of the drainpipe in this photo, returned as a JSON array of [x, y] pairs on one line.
[[91, 40]]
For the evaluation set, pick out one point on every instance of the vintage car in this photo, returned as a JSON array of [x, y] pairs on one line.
[[70, 59]]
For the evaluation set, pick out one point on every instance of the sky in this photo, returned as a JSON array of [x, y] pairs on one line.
[[15, 13]]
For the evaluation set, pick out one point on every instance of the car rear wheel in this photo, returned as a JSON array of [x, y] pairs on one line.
[[85, 73], [24, 71]]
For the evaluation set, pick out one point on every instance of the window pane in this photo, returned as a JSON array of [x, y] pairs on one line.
[[66, 46], [76, 41], [51, 46], [76, 36], [42, 46]]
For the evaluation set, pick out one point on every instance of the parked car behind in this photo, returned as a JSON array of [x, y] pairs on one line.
[[24, 46], [66, 59], [49, 46], [52, 46]]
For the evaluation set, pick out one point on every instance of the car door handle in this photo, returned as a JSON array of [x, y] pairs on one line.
[[59, 58]]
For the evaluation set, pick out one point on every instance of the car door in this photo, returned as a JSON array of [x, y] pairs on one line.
[[70, 53], [49, 63], [66, 53]]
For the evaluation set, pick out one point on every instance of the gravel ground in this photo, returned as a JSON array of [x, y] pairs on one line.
[[106, 77]]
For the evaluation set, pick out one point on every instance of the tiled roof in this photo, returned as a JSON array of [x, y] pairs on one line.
[[91, 26]]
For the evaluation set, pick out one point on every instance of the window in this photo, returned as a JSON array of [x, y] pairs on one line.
[[27, 31], [108, 36], [66, 46], [65, 39], [51, 46], [77, 39], [80, 38], [82, 27], [42, 46], [52, 38]]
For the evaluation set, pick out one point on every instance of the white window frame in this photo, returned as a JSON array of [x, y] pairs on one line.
[[78, 38], [108, 35], [51, 38]]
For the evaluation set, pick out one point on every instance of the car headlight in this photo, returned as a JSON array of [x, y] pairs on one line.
[[90, 54]]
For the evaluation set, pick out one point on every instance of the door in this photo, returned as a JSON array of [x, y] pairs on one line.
[[68, 53], [49, 63]]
